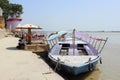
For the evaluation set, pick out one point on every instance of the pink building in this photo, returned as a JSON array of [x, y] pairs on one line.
[[12, 22]]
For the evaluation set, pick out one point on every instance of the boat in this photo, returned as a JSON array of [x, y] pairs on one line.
[[74, 55]]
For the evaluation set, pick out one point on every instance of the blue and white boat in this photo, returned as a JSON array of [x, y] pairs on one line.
[[73, 54]]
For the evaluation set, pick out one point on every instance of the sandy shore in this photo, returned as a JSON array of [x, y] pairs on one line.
[[22, 65], [3, 33]]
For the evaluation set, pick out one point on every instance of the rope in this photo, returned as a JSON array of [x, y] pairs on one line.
[[58, 66], [90, 65]]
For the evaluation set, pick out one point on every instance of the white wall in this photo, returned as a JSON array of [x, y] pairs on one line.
[[1, 11]]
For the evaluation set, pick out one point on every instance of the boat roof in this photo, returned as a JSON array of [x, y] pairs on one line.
[[58, 34]]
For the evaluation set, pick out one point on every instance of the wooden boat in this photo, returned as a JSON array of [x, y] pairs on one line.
[[74, 55]]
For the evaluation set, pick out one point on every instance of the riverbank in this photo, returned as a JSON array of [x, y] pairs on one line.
[[3, 33], [22, 65]]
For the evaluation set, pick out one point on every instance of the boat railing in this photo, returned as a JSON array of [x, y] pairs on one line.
[[97, 43], [52, 42], [56, 50]]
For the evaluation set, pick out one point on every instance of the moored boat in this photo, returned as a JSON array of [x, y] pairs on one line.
[[73, 54]]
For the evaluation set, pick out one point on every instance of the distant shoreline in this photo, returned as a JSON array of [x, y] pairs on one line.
[[89, 31], [103, 31]]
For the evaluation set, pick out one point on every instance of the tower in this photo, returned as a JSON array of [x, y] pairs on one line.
[[12, 22]]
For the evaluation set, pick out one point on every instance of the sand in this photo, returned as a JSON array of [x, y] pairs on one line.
[[22, 65], [3, 33]]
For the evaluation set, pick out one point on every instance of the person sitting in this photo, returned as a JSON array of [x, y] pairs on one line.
[[21, 43], [63, 37]]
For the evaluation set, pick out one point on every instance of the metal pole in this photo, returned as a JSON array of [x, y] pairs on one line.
[[103, 45], [95, 43], [99, 45], [74, 42]]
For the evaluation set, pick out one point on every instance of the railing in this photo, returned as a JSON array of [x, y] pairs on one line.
[[97, 43]]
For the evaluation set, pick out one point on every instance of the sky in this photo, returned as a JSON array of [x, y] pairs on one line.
[[84, 15]]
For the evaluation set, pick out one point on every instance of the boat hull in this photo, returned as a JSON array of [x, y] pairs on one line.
[[86, 67], [79, 70]]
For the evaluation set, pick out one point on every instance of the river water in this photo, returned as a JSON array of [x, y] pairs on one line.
[[110, 67]]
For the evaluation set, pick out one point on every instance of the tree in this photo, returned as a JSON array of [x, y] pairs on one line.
[[4, 4], [10, 9], [15, 9]]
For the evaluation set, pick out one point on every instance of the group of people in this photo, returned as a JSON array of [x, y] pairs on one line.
[[37, 37], [26, 39]]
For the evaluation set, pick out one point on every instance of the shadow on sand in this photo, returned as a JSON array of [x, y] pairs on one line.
[[92, 75], [12, 48]]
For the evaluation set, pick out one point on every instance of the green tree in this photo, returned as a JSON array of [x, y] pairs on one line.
[[15, 9], [4, 4], [10, 9]]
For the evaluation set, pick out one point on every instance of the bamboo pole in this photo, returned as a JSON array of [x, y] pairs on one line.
[[29, 35], [73, 41], [90, 40], [95, 43], [103, 45], [50, 43], [99, 45], [100, 60]]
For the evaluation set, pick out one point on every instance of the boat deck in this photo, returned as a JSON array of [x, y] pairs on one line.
[[67, 48], [70, 51], [59, 50]]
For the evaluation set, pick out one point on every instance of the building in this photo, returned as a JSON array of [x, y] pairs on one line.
[[12, 22], [2, 22]]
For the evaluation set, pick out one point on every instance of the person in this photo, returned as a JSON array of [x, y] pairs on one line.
[[21, 43], [63, 37]]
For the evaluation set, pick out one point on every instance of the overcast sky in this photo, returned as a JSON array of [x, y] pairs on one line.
[[84, 15]]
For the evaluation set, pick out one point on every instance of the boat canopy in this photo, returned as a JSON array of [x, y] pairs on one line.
[[58, 34]]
